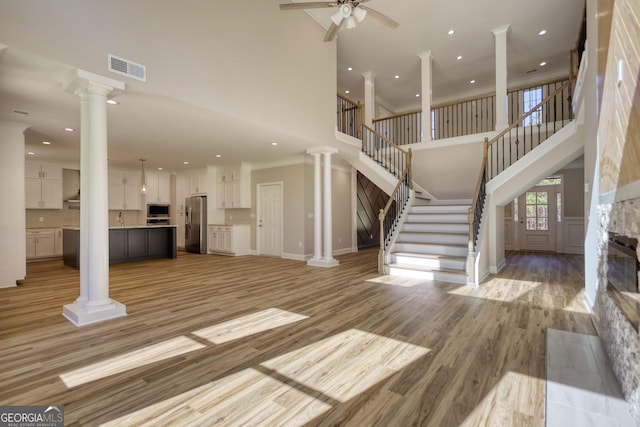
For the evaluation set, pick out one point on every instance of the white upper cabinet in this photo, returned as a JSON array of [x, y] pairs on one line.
[[43, 186], [158, 187], [125, 188], [233, 186], [198, 181]]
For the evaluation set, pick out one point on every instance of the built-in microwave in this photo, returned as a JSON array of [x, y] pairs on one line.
[[157, 211]]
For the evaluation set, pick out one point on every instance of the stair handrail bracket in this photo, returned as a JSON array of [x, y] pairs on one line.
[[390, 216]]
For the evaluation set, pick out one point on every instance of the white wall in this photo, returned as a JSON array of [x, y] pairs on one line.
[[591, 160], [13, 256], [250, 61], [448, 171]]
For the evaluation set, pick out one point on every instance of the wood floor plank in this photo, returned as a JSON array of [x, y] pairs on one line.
[[300, 345]]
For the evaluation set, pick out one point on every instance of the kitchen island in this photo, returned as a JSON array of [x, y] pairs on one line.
[[126, 244]]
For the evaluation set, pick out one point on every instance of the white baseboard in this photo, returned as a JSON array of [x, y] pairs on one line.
[[496, 270], [295, 257], [343, 251]]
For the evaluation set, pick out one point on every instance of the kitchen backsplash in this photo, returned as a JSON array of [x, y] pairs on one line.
[[53, 218], [60, 218], [237, 216]]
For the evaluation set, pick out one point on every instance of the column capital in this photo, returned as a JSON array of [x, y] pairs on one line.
[[86, 82], [322, 150], [425, 56], [501, 30], [368, 75]]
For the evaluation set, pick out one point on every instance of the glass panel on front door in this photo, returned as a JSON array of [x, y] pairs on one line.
[[537, 211]]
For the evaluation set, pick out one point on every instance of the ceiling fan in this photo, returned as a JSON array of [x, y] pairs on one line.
[[349, 11]]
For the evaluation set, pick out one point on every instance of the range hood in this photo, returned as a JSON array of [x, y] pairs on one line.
[[71, 187]]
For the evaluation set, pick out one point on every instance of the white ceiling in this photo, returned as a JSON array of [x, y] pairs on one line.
[[194, 100]]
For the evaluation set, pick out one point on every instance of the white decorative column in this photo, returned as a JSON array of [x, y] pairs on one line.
[[328, 214], [317, 208], [502, 118], [83, 96], [369, 98], [426, 60], [94, 304], [13, 264], [323, 230]]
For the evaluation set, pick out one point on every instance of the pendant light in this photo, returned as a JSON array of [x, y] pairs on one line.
[[144, 177]]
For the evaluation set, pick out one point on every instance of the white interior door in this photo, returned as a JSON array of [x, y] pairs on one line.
[[537, 212], [269, 219]]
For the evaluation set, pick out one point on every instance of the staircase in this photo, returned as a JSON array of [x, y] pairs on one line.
[[432, 243]]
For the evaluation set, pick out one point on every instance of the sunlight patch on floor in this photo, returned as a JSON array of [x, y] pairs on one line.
[[509, 403], [250, 324], [505, 291], [577, 304], [248, 397], [405, 282], [345, 365], [131, 360]]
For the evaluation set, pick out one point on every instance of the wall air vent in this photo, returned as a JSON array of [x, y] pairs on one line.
[[127, 68]]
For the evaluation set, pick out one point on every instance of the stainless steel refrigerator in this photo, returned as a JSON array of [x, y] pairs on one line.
[[195, 239]]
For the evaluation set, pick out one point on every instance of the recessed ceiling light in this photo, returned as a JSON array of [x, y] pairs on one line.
[[459, 57], [186, 163], [46, 142], [350, 69], [31, 153], [160, 169], [451, 32], [472, 81], [346, 91], [274, 143], [542, 32], [112, 102], [543, 63], [396, 76], [417, 95], [70, 129], [218, 155]]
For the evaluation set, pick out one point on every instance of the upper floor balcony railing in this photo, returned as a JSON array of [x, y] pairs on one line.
[[462, 117]]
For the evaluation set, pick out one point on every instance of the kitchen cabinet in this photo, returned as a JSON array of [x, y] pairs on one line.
[[43, 186], [124, 190], [40, 243], [126, 244], [228, 239], [233, 187], [182, 190], [158, 187], [57, 241], [198, 181]]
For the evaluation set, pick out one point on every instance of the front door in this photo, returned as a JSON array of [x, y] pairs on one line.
[[537, 219], [270, 219]]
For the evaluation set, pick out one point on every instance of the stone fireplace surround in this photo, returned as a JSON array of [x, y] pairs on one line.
[[621, 340]]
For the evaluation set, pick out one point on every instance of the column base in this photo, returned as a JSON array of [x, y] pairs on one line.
[[81, 315], [323, 262]]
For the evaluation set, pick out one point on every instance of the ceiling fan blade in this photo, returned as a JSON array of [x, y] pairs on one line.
[[310, 5], [332, 31], [379, 18]]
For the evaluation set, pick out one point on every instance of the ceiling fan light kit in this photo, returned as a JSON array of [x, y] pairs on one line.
[[349, 12]]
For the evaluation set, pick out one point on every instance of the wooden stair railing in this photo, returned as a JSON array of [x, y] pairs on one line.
[[496, 146], [548, 117], [389, 217], [397, 161], [386, 153]]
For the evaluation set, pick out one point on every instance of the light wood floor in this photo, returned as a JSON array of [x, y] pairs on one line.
[[262, 341]]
